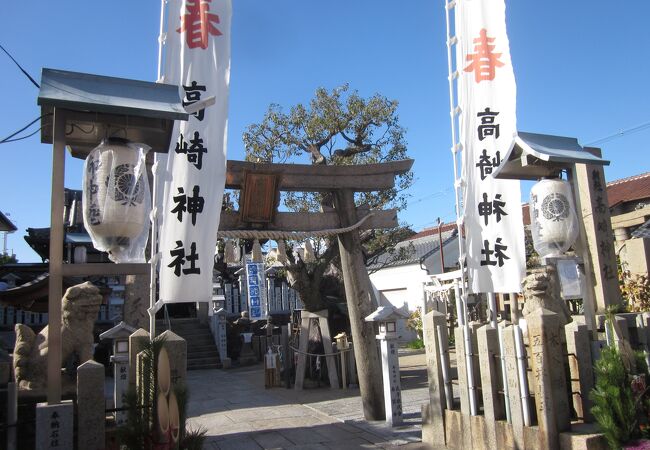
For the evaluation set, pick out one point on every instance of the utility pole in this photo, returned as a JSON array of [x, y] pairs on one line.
[[442, 253]]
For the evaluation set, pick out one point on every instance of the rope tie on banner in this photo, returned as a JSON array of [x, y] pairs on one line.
[[294, 235]]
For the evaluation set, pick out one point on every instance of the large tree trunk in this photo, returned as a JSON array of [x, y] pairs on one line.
[[361, 303], [308, 289]]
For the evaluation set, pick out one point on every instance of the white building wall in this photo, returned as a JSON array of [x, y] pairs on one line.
[[399, 285]]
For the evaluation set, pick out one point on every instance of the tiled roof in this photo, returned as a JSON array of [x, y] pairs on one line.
[[433, 230], [629, 189], [424, 244], [6, 224]]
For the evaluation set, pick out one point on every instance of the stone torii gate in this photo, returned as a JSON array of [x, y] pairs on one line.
[[260, 185]]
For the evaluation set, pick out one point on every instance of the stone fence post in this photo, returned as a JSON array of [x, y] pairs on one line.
[[91, 406], [514, 386], [578, 344], [493, 405], [643, 332], [433, 417], [547, 356]]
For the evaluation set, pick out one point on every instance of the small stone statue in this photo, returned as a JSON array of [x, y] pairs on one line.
[[80, 306], [542, 290]]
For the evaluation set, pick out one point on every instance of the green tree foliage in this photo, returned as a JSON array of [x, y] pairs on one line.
[[620, 397], [337, 127], [635, 288], [7, 259]]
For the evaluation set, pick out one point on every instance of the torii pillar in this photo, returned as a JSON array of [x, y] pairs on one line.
[[361, 303]]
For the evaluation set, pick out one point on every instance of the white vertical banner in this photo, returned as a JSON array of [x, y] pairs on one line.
[[487, 92], [197, 58]]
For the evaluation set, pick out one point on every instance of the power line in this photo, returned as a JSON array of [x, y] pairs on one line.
[[8, 138], [20, 67], [6, 141], [621, 133], [434, 194]]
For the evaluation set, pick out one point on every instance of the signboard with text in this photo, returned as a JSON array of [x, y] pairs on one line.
[[256, 284]]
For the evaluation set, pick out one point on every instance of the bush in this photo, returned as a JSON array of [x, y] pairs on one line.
[[414, 322], [620, 397], [614, 404], [416, 344]]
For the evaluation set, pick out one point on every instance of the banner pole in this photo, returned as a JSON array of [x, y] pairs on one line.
[[454, 110], [154, 201], [161, 38]]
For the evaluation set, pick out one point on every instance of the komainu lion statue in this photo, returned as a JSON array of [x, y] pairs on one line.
[[542, 290], [80, 306]]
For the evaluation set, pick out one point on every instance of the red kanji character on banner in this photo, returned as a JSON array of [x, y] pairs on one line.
[[484, 62], [197, 23]]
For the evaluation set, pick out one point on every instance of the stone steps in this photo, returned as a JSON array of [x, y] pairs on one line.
[[202, 352]]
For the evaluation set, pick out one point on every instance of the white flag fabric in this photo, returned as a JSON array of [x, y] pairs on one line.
[[488, 127], [197, 58]]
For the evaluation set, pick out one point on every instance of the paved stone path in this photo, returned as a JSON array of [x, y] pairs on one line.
[[239, 413]]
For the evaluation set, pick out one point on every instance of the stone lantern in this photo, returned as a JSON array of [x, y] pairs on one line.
[[120, 335], [387, 318]]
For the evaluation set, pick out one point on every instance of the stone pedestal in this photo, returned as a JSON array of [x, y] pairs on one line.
[[121, 381], [91, 406], [54, 426], [546, 354], [392, 385]]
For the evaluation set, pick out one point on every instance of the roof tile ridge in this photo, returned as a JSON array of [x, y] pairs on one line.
[[628, 179]]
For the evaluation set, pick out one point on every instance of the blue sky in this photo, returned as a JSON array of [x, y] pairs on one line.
[[581, 68]]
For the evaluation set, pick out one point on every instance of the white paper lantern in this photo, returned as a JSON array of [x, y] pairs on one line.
[[116, 199], [553, 217]]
